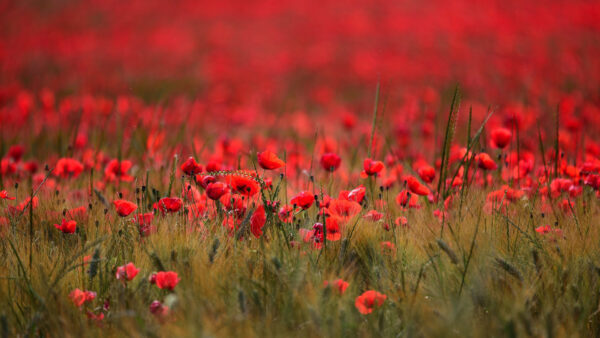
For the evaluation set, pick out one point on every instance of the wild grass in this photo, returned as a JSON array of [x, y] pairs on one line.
[[490, 275]]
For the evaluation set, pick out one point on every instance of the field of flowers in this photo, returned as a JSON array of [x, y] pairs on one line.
[[300, 168]]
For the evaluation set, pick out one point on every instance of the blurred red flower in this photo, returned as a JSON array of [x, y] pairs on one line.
[[68, 168], [339, 284], [67, 227], [169, 204], [127, 272], [117, 171], [243, 184], [368, 301], [269, 160], [4, 195], [303, 200], [215, 190], [371, 167], [416, 187], [484, 161], [330, 161], [166, 280], [79, 297], [257, 221], [501, 137], [191, 167], [124, 208]]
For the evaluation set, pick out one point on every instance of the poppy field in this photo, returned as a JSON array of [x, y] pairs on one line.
[[300, 168]]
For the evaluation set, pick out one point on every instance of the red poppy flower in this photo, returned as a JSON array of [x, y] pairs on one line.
[[166, 280], [7, 167], [170, 204], [505, 193], [31, 166], [116, 171], [344, 209], [416, 187], [314, 236], [560, 185], [303, 200], [15, 210], [257, 221], [127, 272], [213, 166], [233, 203], [144, 222], [388, 248], [501, 137], [269, 160], [427, 173], [16, 152], [371, 167], [485, 162], [96, 317], [368, 301], [4, 195], [286, 213], [544, 229], [592, 181], [124, 208], [401, 221], [339, 284], [373, 215], [324, 201], [215, 190], [205, 180], [244, 185], [67, 227], [334, 232], [349, 121], [78, 213], [191, 167], [79, 297], [67, 168], [330, 161], [357, 194]]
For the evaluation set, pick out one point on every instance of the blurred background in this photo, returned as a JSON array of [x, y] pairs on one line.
[[240, 51]]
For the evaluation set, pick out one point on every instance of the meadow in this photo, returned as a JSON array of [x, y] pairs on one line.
[[299, 169]]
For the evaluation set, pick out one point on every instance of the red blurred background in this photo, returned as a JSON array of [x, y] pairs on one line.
[[238, 50]]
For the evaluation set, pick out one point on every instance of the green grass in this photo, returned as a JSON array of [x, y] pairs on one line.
[[479, 280]]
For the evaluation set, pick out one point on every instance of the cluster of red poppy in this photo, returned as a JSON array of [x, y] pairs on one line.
[[166, 280], [243, 158]]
